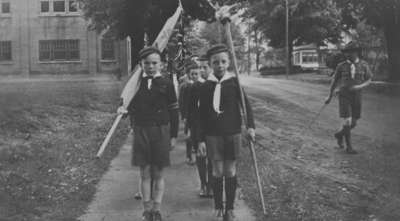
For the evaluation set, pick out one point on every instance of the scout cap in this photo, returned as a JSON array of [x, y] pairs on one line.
[[351, 46], [191, 65], [217, 49], [148, 51]]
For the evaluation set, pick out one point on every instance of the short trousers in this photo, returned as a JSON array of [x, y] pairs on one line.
[[221, 148], [151, 146], [350, 105]]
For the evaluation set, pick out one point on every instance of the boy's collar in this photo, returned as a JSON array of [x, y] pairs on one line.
[[158, 74], [227, 76]]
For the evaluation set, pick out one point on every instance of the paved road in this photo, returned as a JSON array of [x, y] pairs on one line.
[[114, 200]]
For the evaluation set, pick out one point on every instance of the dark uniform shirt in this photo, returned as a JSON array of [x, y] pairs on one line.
[[344, 77], [193, 114], [228, 122], [155, 106]]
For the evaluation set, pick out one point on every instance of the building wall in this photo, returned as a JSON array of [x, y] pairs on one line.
[[26, 25]]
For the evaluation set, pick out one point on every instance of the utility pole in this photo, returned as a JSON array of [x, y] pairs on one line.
[[287, 39], [248, 50]]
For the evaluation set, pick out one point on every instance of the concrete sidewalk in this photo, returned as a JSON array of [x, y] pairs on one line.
[[114, 199]]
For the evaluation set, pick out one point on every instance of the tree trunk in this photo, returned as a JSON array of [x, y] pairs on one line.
[[258, 51], [392, 36]]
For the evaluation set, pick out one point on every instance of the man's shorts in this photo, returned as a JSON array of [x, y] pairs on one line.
[[151, 146], [221, 148], [350, 105]]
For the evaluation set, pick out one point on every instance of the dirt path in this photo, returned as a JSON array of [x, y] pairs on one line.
[[114, 200], [305, 176]]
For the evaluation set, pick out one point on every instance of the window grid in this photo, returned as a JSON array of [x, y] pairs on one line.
[[59, 6], [44, 6], [5, 7], [5, 51], [59, 50], [107, 49]]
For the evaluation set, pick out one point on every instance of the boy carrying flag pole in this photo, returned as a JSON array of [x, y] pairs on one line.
[[154, 110]]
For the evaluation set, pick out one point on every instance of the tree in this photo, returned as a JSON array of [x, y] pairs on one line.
[[310, 21], [383, 15], [134, 18]]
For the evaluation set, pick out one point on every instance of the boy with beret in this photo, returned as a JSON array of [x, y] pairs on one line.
[[203, 165], [350, 77], [220, 115], [154, 111]]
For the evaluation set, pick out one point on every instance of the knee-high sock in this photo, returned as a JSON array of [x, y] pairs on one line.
[[202, 168], [230, 191], [210, 177], [218, 192], [347, 136]]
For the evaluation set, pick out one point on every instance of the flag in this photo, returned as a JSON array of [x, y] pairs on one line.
[[161, 41]]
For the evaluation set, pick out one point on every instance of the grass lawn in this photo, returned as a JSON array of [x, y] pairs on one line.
[[49, 135]]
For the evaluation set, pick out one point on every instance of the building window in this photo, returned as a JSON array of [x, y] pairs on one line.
[[309, 57], [5, 51], [44, 6], [5, 7], [59, 50], [59, 6], [107, 49], [73, 6]]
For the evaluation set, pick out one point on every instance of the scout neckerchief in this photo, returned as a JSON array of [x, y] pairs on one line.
[[353, 67], [217, 90], [150, 78]]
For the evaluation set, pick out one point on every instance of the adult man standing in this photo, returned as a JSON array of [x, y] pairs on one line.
[[154, 109], [350, 77]]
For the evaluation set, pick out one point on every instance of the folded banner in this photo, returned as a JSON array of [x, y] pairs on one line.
[[161, 41], [132, 85]]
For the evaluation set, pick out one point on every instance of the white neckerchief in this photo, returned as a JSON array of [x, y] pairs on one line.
[[353, 67], [201, 80], [217, 90], [150, 81]]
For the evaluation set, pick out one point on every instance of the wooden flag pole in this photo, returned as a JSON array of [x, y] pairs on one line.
[[226, 23]]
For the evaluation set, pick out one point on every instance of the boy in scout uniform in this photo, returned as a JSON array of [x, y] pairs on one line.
[[350, 77], [220, 115], [203, 165], [154, 111]]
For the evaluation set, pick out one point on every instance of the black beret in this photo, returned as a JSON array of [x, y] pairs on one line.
[[203, 57], [217, 49], [191, 65], [148, 51], [351, 46]]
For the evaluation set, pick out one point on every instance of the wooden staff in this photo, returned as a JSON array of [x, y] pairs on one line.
[[226, 23], [132, 86]]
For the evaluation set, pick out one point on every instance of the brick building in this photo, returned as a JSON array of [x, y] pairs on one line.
[[51, 37]]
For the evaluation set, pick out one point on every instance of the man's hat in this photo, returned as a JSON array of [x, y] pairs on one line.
[[219, 48], [351, 46], [148, 51]]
